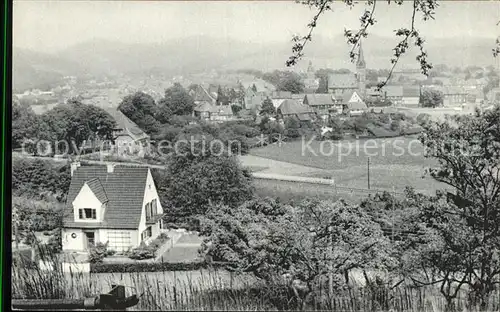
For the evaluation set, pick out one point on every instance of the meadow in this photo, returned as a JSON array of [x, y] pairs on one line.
[[394, 163]]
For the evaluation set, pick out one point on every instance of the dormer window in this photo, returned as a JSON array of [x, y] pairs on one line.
[[87, 214]]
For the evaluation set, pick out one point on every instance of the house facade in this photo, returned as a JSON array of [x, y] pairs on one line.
[[128, 138], [324, 105], [118, 205], [293, 109], [411, 96], [353, 104], [213, 113]]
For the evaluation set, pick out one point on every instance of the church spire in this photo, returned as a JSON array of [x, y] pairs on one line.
[[361, 57]]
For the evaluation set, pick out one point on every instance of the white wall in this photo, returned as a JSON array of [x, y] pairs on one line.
[[87, 199], [70, 243], [150, 193]]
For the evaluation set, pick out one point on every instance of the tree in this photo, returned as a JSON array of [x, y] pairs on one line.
[[141, 109], [75, 122], [493, 82], [200, 173], [254, 88], [267, 108], [292, 127], [291, 82], [322, 75], [222, 98], [431, 98], [467, 149], [236, 109], [177, 101], [295, 246], [25, 124]]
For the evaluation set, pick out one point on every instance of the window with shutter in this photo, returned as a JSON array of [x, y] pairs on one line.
[[148, 211], [155, 209], [80, 213]]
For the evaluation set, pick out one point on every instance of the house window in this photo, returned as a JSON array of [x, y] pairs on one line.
[[148, 211], [87, 214], [146, 233], [154, 207]]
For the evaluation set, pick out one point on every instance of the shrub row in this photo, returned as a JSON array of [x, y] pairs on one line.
[[148, 267]]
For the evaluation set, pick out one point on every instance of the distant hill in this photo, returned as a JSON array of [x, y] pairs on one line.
[[32, 69], [201, 53]]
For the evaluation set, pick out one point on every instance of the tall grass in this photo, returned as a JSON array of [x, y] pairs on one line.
[[211, 289]]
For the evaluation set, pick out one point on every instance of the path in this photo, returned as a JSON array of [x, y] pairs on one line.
[[184, 250]]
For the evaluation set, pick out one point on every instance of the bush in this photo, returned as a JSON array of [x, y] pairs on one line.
[[148, 267], [148, 251], [141, 253], [98, 252]]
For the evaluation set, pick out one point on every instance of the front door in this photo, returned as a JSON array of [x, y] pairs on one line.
[[89, 239]]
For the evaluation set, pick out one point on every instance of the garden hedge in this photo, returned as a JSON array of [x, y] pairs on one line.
[[148, 267]]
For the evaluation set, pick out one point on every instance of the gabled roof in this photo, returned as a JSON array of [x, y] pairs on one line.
[[356, 105], [318, 99], [278, 102], [203, 106], [200, 94], [342, 81], [411, 91], [222, 110], [124, 189], [125, 125], [292, 107], [393, 91], [96, 187]]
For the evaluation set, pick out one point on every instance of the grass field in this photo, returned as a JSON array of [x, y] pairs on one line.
[[394, 163]]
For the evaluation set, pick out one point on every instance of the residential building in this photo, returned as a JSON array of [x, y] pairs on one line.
[[323, 104], [213, 113], [293, 109], [300, 97], [253, 100], [353, 104], [128, 138], [393, 94], [453, 96], [200, 94], [411, 96], [114, 204]]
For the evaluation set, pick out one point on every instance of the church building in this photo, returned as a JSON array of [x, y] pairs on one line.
[[341, 84]]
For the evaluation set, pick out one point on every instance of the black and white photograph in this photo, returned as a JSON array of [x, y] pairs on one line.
[[310, 155]]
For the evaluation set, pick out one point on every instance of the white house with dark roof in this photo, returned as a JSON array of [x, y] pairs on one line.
[[353, 104], [114, 204], [127, 136]]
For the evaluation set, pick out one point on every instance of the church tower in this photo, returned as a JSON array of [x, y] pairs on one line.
[[310, 71], [361, 72]]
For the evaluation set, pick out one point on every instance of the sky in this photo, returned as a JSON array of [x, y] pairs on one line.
[[50, 26]]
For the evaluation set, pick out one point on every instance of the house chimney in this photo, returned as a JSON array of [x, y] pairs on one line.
[[74, 165], [110, 168]]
